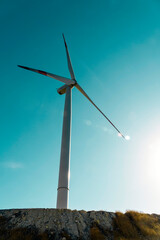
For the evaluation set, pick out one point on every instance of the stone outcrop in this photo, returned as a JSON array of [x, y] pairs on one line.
[[56, 224], [43, 224]]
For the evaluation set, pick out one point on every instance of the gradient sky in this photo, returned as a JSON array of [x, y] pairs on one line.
[[115, 52]]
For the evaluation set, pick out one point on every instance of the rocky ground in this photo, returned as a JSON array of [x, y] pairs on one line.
[[55, 224], [42, 224]]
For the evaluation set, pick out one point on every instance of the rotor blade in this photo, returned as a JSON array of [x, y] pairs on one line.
[[59, 78], [68, 59], [83, 92]]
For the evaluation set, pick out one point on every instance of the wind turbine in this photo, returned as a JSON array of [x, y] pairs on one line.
[[64, 169]]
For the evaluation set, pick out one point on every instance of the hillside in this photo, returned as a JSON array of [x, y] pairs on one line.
[[55, 224]]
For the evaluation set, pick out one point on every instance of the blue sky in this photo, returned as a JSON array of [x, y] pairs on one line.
[[115, 52]]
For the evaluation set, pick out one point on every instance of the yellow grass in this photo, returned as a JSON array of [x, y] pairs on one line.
[[148, 225], [136, 226], [95, 234]]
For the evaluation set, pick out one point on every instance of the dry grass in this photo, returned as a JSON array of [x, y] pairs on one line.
[[123, 228], [148, 225], [19, 233], [95, 234], [136, 226]]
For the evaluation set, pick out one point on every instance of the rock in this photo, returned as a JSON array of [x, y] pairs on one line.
[[56, 223]]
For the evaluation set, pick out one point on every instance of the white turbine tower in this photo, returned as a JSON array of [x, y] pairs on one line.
[[64, 169]]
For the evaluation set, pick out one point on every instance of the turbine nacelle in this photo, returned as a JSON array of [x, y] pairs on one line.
[[62, 90]]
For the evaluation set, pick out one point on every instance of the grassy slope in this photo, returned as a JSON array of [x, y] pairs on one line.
[[136, 226]]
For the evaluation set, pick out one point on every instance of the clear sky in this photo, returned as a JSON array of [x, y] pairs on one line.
[[115, 52]]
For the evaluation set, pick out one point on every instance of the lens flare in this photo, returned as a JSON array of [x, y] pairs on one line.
[[127, 137], [119, 135]]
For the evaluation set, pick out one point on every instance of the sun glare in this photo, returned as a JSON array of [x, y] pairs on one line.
[[127, 137]]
